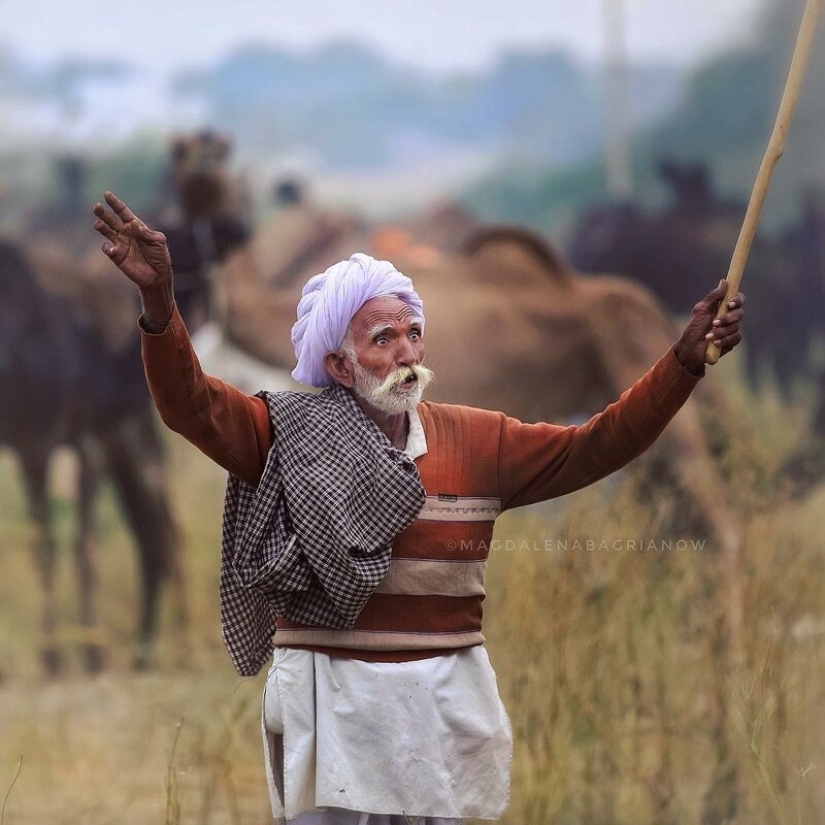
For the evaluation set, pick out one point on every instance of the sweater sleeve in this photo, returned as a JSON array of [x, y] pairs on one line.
[[542, 461], [232, 428]]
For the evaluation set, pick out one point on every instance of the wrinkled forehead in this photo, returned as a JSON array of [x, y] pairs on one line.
[[386, 311]]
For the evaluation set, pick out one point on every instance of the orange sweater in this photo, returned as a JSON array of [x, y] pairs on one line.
[[478, 464]]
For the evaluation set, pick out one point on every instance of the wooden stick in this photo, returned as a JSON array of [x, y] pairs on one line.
[[776, 146]]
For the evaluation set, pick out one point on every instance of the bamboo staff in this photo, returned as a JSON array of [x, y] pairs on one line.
[[776, 146]]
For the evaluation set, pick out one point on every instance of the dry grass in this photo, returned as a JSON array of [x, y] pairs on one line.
[[602, 657], [604, 663], [177, 745]]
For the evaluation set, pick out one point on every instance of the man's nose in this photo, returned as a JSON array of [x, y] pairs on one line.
[[407, 353]]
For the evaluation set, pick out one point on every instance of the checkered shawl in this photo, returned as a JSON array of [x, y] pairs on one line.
[[313, 540]]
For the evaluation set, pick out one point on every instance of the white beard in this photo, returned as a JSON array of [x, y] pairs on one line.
[[386, 395]]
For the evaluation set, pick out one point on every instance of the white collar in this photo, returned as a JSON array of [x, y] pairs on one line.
[[416, 440]]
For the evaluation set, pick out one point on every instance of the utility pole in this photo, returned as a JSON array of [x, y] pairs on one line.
[[617, 150]]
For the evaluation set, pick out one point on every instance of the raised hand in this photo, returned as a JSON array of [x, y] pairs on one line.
[[140, 252], [703, 327], [142, 255]]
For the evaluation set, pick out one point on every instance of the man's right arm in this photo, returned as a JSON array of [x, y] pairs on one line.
[[230, 427]]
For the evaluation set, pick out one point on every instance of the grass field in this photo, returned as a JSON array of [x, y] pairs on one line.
[[602, 654]]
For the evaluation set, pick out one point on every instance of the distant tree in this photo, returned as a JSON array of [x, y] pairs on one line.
[[724, 119]]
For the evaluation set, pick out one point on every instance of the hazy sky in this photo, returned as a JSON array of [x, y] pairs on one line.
[[431, 33]]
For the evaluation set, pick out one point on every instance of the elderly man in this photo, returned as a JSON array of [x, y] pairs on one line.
[[356, 528]]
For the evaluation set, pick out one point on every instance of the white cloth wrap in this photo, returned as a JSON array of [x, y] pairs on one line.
[[330, 300], [427, 738]]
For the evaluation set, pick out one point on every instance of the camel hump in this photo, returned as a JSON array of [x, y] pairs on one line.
[[515, 246], [627, 304], [688, 181]]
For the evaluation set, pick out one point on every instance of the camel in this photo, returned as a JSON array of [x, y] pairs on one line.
[[672, 250], [207, 221], [62, 386], [39, 374], [785, 283], [72, 322]]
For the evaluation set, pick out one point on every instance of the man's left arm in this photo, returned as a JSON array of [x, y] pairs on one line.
[[542, 461]]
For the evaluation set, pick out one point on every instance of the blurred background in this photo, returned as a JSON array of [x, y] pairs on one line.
[[504, 155]]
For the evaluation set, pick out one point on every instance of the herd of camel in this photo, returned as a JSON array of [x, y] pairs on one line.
[[511, 326]]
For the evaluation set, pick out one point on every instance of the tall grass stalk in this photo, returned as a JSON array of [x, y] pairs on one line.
[[173, 796], [8, 792]]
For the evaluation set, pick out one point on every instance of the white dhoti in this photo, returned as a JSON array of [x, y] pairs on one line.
[[350, 742]]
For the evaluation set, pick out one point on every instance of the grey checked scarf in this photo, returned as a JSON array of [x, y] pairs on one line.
[[313, 540]]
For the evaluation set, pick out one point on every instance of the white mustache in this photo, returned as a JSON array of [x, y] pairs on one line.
[[423, 375]]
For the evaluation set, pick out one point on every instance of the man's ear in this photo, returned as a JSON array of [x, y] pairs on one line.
[[339, 368]]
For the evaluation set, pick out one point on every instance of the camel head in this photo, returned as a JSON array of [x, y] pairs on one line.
[[691, 184], [695, 194], [199, 166]]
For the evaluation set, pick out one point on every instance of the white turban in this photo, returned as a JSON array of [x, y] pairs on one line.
[[329, 302]]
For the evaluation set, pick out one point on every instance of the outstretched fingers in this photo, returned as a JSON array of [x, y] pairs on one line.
[[119, 221], [107, 217], [116, 217], [104, 229], [119, 207]]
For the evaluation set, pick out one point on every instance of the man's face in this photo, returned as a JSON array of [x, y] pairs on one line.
[[385, 349]]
